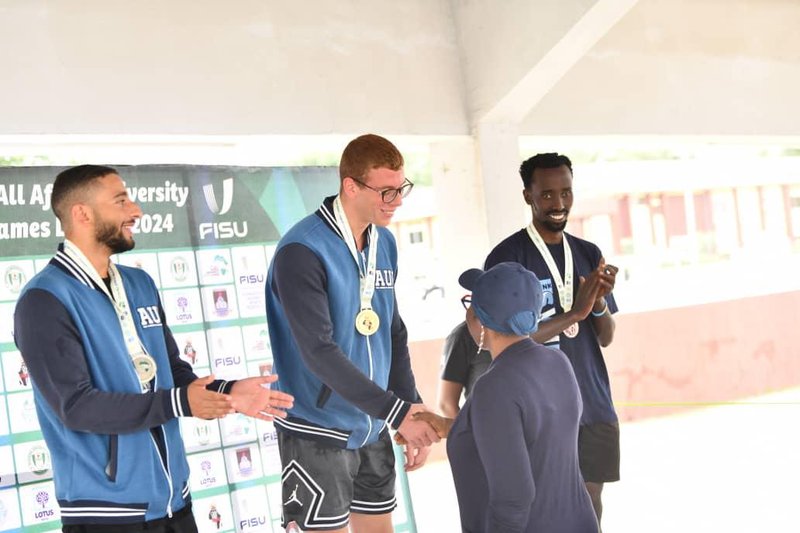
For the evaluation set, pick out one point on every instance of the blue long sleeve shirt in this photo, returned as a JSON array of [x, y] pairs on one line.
[[513, 448]]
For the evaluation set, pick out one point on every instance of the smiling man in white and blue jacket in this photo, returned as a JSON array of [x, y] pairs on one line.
[[108, 381], [341, 348]]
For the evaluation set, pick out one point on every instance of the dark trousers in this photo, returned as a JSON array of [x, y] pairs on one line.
[[181, 522]]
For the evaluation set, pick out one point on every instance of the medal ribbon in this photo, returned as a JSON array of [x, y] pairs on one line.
[[118, 299], [367, 279], [565, 285]]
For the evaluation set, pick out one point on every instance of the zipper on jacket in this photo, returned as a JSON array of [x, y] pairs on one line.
[[165, 468], [111, 466], [369, 418]]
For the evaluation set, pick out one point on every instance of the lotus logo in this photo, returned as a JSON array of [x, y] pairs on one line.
[[227, 197], [42, 497]]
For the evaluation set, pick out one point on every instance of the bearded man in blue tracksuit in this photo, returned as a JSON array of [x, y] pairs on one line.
[[107, 377], [340, 347]]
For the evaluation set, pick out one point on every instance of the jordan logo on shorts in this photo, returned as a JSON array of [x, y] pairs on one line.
[[293, 498]]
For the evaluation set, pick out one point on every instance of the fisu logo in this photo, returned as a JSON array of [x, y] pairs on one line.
[[227, 197], [227, 229]]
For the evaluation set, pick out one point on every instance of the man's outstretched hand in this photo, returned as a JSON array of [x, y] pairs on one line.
[[251, 397], [207, 404]]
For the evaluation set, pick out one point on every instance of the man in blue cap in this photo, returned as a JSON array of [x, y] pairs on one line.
[[513, 448]]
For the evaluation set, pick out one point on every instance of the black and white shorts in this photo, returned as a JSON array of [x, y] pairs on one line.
[[322, 484]]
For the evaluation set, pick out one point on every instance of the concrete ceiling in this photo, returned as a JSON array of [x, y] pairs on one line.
[[417, 67], [708, 67]]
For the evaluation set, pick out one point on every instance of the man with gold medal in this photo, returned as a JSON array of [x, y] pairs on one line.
[[340, 348], [578, 307], [108, 380]]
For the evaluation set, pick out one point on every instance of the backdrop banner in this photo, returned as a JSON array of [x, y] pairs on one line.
[[206, 237]]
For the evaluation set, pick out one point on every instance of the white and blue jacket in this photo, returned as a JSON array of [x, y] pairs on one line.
[[117, 453], [346, 386]]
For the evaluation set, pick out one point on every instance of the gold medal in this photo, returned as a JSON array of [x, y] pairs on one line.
[[572, 331], [367, 322], [145, 367]]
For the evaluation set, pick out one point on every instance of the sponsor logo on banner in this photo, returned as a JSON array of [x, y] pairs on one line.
[[203, 433], [221, 302], [229, 360], [227, 197], [225, 229], [213, 515], [244, 461], [249, 523], [46, 512], [237, 428], [179, 269], [250, 520], [252, 279], [190, 352], [29, 410], [14, 279], [23, 373], [218, 268], [208, 475], [269, 437], [184, 315], [262, 343], [38, 460]]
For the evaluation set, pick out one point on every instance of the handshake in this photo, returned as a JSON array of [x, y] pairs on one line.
[[438, 424]]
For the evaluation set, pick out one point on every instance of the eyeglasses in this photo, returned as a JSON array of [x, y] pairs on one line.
[[389, 195], [466, 301]]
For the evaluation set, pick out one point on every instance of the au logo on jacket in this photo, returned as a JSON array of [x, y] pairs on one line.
[[149, 316], [384, 278]]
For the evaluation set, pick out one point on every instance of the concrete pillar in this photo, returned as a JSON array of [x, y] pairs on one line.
[[499, 160], [461, 237]]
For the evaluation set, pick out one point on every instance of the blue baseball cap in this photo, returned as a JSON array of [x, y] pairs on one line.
[[506, 298]]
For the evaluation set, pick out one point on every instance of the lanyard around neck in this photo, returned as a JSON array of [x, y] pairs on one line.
[[119, 300], [366, 274], [563, 285]]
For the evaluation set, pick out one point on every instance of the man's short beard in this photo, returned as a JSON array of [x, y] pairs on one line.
[[114, 239], [555, 227]]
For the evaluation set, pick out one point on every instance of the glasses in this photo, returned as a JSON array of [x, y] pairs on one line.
[[390, 195], [466, 301]]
